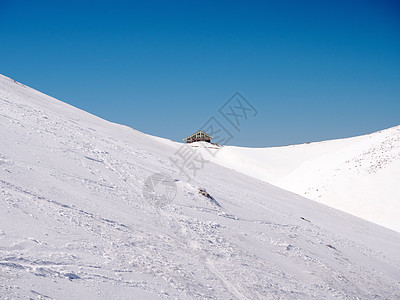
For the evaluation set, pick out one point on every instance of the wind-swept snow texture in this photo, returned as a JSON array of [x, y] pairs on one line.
[[359, 175], [75, 224]]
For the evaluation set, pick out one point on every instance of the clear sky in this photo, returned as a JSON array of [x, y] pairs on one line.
[[314, 70]]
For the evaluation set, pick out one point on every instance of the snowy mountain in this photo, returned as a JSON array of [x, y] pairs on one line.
[[359, 175], [78, 220]]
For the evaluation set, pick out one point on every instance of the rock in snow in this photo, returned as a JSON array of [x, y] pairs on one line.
[[75, 223]]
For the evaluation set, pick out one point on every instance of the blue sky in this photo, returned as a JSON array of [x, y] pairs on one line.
[[314, 70]]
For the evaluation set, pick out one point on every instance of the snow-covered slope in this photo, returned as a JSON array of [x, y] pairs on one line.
[[359, 175], [74, 222]]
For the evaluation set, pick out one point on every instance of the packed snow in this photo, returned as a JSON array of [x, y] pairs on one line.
[[77, 222]]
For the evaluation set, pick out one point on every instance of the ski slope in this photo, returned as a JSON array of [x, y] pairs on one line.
[[358, 175], [75, 224]]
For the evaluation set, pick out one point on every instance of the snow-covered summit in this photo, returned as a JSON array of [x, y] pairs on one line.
[[75, 223]]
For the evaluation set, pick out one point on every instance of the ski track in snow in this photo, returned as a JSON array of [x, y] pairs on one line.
[[75, 225]]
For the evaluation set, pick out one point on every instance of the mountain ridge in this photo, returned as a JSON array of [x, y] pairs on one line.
[[75, 222]]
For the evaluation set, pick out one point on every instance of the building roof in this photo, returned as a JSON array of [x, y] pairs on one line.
[[197, 133]]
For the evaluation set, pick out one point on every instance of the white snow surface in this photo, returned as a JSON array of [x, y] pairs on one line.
[[74, 223], [359, 175]]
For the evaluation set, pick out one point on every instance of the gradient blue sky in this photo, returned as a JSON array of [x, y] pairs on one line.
[[314, 70]]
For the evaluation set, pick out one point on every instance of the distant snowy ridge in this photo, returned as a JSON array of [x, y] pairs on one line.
[[359, 175], [76, 224]]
